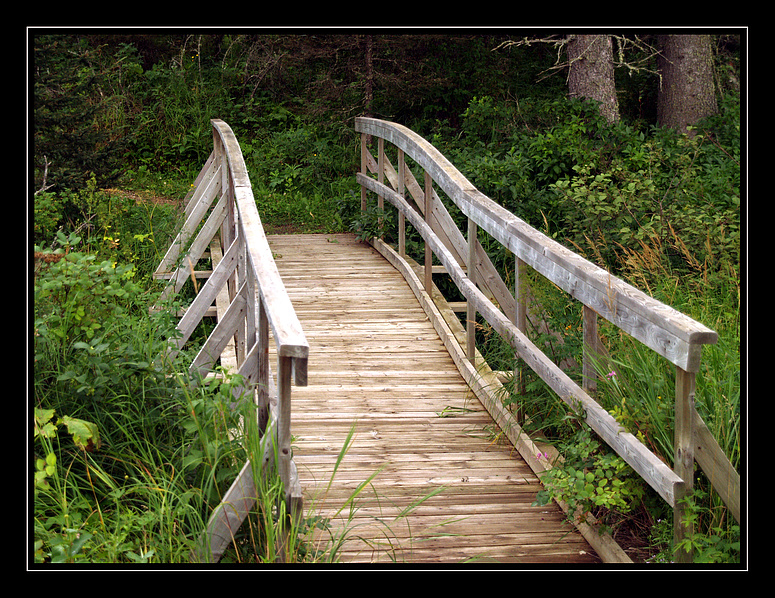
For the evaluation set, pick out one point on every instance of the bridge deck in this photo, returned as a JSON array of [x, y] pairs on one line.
[[377, 362]]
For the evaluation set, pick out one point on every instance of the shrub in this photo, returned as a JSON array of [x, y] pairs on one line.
[[590, 479]]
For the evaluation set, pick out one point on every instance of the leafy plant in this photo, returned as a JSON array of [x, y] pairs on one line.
[[75, 295], [590, 479], [370, 223], [719, 545]]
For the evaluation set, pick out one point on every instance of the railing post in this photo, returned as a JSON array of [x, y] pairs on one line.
[[241, 337], [401, 217], [263, 367], [520, 297], [590, 350], [284, 371], [470, 307], [683, 457], [428, 250], [380, 179], [364, 167]]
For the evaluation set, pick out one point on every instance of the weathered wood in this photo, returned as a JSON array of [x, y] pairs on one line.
[[662, 328], [444, 226], [715, 464], [683, 446], [486, 385], [228, 356], [244, 276], [222, 334], [200, 204], [471, 306], [665, 330], [207, 295], [591, 341], [658, 475], [380, 365], [205, 174]]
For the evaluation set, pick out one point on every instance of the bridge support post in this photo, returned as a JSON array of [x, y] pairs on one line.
[[683, 459], [470, 305], [428, 251]]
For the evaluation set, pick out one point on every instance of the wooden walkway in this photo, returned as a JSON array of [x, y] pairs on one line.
[[376, 362]]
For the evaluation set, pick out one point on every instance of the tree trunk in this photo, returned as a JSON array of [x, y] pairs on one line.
[[687, 94], [592, 72]]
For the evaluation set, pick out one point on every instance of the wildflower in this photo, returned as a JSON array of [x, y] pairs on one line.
[[611, 375]]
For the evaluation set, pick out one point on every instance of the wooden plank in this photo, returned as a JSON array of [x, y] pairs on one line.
[[228, 356], [649, 467], [417, 425], [198, 246], [222, 335], [485, 383], [662, 328], [207, 294], [200, 204], [716, 465]]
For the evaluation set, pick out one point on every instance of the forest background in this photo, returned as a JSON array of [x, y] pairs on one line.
[[120, 124]]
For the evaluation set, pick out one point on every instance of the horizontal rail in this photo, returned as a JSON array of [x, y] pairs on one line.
[[662, 328], [286, 327], [650, 467], [251, 300]]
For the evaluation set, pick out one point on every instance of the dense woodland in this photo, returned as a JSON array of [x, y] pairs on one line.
[[624, 147]]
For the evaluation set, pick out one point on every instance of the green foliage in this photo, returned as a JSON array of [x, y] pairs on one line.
[[71, 130], [659, 209], [718, 545], [590, 479], [48, 211], [371, 223], [669, 190], [75, 295], [721, 545]]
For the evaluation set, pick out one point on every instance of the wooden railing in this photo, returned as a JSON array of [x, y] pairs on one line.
[[253, 302], [670, 333]]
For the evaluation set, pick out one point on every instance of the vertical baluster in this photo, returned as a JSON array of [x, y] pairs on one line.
[[364, 167], [428, 251], [284, 371], [263, 367], [401, 217], [240, 338], [590, 350], [470, 308], [520, 296], [380, 179], [252, 312], [683, 458]]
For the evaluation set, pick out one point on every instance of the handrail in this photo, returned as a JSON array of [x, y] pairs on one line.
[[257, 302], [288, 333], [670, 333]]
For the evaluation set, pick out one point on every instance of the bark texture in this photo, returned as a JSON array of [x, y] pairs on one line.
[[688, 93], [592, 72]]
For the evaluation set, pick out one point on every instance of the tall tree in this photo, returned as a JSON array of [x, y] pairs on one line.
[[592, 72], [687, 92]]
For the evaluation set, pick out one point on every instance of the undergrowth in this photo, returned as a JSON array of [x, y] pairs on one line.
[[129, 456]]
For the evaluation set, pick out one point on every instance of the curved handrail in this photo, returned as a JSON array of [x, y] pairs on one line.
[[246, 276], [282, 317], [659, 475], [667, 331]]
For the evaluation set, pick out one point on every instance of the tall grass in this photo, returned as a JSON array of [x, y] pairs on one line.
[[131, 456], [637, 386]]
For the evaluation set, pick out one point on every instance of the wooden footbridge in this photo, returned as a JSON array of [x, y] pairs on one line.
[[347, 344]]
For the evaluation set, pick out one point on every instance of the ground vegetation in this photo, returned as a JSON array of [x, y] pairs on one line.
[[129, 456]]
